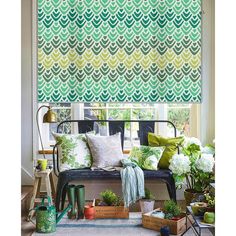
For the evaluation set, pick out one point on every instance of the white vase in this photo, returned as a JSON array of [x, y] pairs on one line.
[[103, 130], [146, 205]]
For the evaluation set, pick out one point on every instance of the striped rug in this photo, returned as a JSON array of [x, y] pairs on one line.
[[107, 227]]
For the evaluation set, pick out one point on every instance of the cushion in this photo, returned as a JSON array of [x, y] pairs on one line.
[[170, 145], [146, 157], [73, 151], [106, 150]]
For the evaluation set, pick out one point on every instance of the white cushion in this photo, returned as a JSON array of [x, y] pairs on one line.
[[106, 150]]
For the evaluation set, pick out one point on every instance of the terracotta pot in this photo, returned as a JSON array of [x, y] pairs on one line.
[[210, 209], [190, 195], [146, 205], [89, 212]]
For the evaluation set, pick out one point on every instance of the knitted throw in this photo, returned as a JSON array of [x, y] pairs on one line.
[[132, 178]]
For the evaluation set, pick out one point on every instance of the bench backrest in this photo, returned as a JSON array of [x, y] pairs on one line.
[[115, 126]]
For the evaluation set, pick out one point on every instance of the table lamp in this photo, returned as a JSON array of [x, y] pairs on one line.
[[49, 117]]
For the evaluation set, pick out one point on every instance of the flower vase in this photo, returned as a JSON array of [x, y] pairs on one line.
[[103, 130], [190, 196]]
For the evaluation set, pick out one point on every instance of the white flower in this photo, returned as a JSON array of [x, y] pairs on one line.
[[205, 163], [192, 140], [180, 164], [208, 150]]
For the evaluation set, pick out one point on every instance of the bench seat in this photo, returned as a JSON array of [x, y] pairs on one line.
[[87, 174]]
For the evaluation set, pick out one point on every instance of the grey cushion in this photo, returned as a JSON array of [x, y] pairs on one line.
[[106, 150]]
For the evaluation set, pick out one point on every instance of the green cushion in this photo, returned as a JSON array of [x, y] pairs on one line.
[[171, 145], [146, 157]]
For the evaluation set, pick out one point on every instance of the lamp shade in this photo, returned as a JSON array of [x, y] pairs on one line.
[[50, 117]]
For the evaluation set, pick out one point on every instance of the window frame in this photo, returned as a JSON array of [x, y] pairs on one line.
[[77, 112]]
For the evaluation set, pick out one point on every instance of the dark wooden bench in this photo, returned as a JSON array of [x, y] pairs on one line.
[[115, 126]]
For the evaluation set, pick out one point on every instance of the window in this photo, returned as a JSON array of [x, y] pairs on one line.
[[179, 114]]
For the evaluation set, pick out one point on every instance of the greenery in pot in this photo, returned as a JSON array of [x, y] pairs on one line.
[[210, 199], [148, 195], [195, 165], [171, 209], [110, 198]]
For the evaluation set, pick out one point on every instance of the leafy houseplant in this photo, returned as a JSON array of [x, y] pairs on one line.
[[109, 198], [210, 199], [147, 203], [195, 165], [171, 210]]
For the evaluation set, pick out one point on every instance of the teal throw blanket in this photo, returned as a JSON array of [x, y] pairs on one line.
[[132, 182]]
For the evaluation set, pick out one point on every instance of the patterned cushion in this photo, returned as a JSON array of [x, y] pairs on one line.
[[73, 151], [146, 157], [106, 150]]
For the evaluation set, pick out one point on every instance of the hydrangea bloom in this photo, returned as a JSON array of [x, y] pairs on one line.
[[205, 163], [208, 150], [192, 140], [180, 164]]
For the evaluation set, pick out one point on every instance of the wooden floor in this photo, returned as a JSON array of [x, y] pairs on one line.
[[27, 228]]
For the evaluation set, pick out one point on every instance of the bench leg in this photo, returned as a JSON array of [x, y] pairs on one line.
[[60, 186], [170, 183], [63, 198]]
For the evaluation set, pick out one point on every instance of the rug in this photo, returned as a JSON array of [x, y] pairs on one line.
[[107, 227]]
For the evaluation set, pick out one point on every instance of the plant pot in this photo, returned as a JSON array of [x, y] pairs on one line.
[[146, 205], [102, 130], [89, 212], [190, 195], [198, 208], [210, 209]]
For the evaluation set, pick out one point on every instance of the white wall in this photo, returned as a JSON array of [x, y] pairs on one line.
[[206, 110], [26, 93]]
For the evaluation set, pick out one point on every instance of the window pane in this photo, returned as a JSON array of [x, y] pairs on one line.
[[62, 114], [95, 104], [143, 114], [180, 117], [94, 114]]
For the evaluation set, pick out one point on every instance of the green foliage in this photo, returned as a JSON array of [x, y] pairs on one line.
[[179, 117], [67, 146], [148, 194], [210, 199], [110, 198], [171, 209]]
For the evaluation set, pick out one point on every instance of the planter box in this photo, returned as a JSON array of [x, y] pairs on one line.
[[155, 223], [117, 212]]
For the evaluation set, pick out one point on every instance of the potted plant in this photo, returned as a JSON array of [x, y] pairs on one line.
[[102, 126], [172, 210], [195, 165], [109, 198], [147, 203], [210, 200], [110, 206]]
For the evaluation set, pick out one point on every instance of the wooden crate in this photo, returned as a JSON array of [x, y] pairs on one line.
[[104, 212], [155, 223]]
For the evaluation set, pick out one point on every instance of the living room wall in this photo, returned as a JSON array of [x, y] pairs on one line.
[[205, 112]]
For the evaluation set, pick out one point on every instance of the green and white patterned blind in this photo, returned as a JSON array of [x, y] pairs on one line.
[[119, 50]]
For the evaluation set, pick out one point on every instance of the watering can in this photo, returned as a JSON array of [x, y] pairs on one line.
[[47, 217]]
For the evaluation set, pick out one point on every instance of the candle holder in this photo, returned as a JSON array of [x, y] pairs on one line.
[[165, 231]]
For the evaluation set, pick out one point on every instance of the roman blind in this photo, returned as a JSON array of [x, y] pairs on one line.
[[119, 50]]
